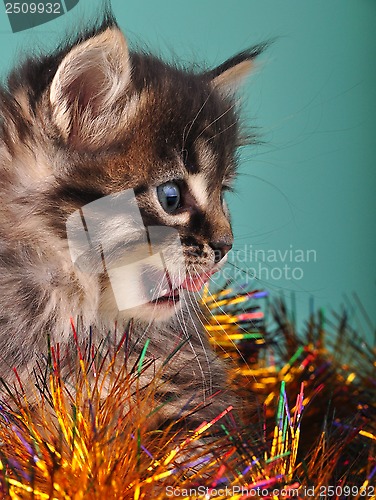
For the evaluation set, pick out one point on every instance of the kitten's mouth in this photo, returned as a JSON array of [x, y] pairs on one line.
[[196, 282], [170, 298], [192, 283]]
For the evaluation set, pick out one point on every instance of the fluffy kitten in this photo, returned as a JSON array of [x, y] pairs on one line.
[[95, 136]]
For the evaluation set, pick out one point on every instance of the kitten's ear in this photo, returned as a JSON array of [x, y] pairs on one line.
[[230, 75], [88, 81]]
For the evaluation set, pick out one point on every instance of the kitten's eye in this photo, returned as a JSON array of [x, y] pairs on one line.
[[169, 196]]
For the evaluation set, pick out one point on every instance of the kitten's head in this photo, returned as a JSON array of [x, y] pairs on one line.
[[140, 154]]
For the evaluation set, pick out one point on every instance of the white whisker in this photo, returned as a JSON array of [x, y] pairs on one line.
[[234, 345], [214, 121], [184, 328], [185, 135]]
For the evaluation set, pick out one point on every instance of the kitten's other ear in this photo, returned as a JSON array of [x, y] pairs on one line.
[[228, 76], [88, 81]]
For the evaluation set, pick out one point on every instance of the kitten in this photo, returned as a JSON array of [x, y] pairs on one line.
[[113, 169]]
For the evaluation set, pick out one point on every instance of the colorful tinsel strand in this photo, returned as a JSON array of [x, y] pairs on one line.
[[331, 361], [98, 439], [81, 445]]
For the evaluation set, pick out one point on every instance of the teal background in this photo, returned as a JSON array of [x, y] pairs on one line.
[[311, 184]]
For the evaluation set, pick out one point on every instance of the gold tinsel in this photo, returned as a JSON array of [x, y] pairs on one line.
[[98, 439]]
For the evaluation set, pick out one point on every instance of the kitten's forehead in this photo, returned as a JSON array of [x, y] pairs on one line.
[[183, 105], [173, 124], [189, 131]]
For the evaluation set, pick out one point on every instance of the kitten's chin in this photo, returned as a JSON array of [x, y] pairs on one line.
[[159, 311]]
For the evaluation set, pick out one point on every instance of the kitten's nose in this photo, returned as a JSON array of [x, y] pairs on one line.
[[221, 248]]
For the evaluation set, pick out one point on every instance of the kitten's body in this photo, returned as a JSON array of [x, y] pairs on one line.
[[89, 121]]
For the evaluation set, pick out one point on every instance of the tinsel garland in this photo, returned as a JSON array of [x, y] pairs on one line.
[[311, 419], [329, 359]]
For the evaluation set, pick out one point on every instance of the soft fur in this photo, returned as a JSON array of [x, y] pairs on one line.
[[94, 119]]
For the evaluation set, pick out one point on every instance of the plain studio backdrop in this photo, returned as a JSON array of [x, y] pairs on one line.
[[304, 207]]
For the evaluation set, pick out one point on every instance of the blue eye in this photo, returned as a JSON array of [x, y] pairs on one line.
[[169, 196]]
